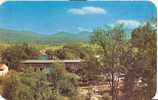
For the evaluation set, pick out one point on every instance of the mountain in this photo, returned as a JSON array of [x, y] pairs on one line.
[[62, 37], [18, 36], [12, 36], [85, 35]]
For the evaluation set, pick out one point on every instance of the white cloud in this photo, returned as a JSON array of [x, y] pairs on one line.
[[129, 23], [2, 1], [84, 29], [87, 10]]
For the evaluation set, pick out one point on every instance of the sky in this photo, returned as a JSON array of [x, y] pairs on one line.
[[50, 17]]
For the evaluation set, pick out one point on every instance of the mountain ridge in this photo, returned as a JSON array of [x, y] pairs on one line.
[[14, 36]]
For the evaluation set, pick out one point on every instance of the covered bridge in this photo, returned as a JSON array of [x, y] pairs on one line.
[[42, 64]]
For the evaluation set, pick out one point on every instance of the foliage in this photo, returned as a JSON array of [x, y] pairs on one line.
[[14, 54], [90, 71], [134, 60], [141, 64], [65, 82], [30, 85], [73, 51], [111, 42], [110, 58]]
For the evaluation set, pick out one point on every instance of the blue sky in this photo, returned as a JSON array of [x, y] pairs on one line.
[[51, 17]]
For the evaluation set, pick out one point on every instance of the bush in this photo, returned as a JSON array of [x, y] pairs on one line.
[[65, 82], [14, 54], [29, 85], [69, 52]]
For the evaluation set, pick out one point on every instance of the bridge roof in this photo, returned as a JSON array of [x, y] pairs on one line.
[[51, 61]]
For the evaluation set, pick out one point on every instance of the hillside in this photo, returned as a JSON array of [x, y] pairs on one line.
[[12, 36], [18, 36]]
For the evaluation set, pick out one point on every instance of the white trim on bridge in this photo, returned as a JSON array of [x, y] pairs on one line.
[[51, 61]]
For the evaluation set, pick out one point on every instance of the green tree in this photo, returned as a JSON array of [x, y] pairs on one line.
[[65, 82], [71, 51], [29, 85], [111, 41], [141, 64], [14, 54]]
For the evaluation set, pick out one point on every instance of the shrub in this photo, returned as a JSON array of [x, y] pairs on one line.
[[29, 85]]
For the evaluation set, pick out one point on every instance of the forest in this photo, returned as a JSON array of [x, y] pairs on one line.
[[117, 67]]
